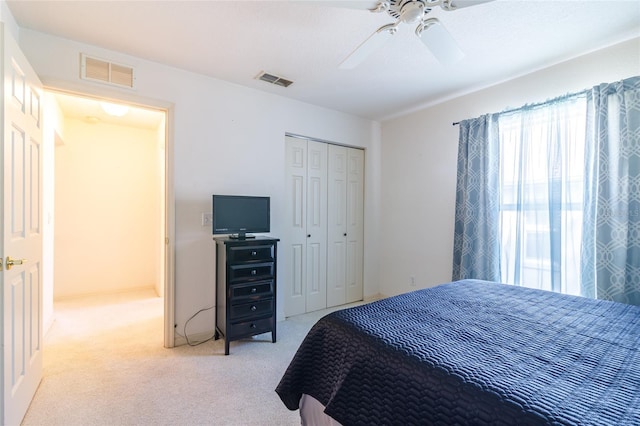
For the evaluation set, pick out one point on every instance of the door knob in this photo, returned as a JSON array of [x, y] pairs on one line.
[[10, 262]]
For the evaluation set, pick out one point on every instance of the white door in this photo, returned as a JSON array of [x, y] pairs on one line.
[[337, 226], [294, 246], [305, 248], [316, 277], [21, 233], [355, 226], [346, 212]]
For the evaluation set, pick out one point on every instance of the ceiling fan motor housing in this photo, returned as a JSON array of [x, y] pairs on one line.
[[408, 11]]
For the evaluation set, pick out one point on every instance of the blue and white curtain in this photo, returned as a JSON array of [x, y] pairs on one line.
[[611, 236], [548, 196], [476, 243]]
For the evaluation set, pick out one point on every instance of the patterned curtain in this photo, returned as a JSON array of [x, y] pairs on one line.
[[476, 244], [611, 233]]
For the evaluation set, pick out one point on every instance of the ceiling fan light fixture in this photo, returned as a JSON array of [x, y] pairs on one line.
[[412, 12], [434, 36]]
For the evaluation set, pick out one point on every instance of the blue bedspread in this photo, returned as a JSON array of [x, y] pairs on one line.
[[473, 352]]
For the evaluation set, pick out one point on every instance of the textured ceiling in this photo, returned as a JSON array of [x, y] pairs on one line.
[[305, 41]]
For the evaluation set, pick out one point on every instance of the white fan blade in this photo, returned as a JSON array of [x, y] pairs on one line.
[[362, 52], [349, 4], [461, 4], [440, 42]]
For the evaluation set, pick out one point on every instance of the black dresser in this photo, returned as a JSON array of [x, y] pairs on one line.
[[245, 288]]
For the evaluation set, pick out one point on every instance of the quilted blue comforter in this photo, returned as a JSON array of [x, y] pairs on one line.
[[473, 352]]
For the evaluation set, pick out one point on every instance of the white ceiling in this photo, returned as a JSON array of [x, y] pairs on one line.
[[305, 41], [91, 111]]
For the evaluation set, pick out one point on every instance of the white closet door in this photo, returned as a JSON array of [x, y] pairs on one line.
[[355, 226], [305, 246], [337, 226], [316, 277], [323, 249], [294, 245]]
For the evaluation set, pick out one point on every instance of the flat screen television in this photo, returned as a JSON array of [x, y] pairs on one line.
[[239, 215]]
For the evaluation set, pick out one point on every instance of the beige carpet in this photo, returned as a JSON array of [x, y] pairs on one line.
[[104, 364]]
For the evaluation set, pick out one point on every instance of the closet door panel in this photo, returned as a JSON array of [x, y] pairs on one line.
[[294, 247], [316, 261], [337, 226], [355, 225]]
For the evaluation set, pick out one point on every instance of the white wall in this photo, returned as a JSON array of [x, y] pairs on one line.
[[419, 156], [161, 138], [226, 139], [53, 134], [8, 21], [107, 209]]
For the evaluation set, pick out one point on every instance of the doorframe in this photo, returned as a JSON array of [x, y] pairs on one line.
[[115, 95]]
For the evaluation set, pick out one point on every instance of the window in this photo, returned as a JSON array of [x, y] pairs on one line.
[[547, 195], [541, 195]]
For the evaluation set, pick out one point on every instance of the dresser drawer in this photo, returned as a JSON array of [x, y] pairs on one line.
[[251, 254], [258, 308], [252, 271], [249, 328], [254, 289]]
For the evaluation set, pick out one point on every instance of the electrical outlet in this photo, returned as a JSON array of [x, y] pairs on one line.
[[207, 219], [412, 281]]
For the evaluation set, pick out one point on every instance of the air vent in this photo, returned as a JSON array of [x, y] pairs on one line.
[[274, 79], [95, 69]]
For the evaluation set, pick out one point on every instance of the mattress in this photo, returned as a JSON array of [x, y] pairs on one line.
[[473, 352]]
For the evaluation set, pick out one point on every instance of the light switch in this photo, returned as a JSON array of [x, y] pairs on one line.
[[207, 219]]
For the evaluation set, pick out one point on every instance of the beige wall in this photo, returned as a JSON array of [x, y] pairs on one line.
[[106, 209]]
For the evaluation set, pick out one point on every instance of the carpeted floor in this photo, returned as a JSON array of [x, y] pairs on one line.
[[104, 364]]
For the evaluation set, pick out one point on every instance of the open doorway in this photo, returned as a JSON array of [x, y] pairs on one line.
[[105, 217]]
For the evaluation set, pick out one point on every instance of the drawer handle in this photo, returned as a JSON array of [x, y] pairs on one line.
[[254, 253], [253, 308], [254, 272], [254, 290]]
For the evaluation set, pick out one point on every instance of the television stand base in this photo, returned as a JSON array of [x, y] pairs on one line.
[[241, 236]]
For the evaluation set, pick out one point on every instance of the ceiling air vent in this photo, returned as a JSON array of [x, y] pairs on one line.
[[106, 72], [274, 79]]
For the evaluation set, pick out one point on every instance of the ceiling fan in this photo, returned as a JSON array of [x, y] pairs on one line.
[[429, 30]]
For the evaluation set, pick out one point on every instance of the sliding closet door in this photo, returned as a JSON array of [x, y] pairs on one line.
[[337, 232], [294, 247], [323, 246], [345, 246], [355, 226], [305, 247], [316, 278]]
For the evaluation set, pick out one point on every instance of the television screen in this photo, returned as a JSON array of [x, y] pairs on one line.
[[240, 215]]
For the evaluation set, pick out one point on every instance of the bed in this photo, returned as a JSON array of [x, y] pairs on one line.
[[472, 352]]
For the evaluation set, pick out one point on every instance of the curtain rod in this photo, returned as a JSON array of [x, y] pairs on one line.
[[538, 104]]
